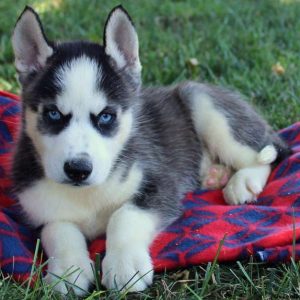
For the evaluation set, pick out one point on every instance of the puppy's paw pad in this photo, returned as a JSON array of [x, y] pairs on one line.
[[217, 177], [128, 269]]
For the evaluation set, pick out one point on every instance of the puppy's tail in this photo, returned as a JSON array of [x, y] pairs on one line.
[[274, 153]]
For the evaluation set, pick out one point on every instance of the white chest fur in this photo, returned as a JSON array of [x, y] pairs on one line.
[[88, 207]]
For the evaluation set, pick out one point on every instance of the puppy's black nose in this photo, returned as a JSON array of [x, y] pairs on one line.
[[78, 170]]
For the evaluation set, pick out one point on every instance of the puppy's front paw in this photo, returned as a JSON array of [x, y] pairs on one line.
[[127, 268], [76, 273], [244, 187]]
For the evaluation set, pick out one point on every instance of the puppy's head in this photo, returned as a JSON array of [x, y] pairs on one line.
[[78, 97]]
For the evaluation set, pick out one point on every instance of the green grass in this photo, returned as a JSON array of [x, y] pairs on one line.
[[250, 280], [236, 44]]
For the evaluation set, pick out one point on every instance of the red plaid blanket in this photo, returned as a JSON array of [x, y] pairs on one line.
[[265, 229]]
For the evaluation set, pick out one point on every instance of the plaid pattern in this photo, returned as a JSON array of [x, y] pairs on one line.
[[265, 229]]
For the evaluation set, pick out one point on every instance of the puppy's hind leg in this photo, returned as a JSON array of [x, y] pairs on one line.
[[235, 135], [215, 175]]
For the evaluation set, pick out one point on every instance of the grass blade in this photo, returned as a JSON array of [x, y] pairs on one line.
[[246, 275], [212, 268], [32, 272]]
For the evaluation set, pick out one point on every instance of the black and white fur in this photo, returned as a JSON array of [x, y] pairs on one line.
[[130, 176]]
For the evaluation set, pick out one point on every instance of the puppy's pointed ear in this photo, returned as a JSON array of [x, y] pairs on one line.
[[121, 40], [30, 44]]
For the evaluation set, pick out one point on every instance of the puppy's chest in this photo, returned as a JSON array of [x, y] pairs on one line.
[[90, 208]]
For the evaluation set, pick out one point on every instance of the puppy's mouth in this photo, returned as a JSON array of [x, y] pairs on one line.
[[75, 183]]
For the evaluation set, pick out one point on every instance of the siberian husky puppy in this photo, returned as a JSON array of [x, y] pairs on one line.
[[98, 152]]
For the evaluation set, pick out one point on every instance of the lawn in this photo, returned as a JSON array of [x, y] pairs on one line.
[[251, 46]]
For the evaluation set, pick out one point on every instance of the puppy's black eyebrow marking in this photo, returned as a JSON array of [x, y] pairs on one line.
[[49, 102], [111, 108], [50, 106]]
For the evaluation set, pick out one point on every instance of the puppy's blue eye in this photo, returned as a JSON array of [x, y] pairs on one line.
[[54, 115], [105, 119]]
